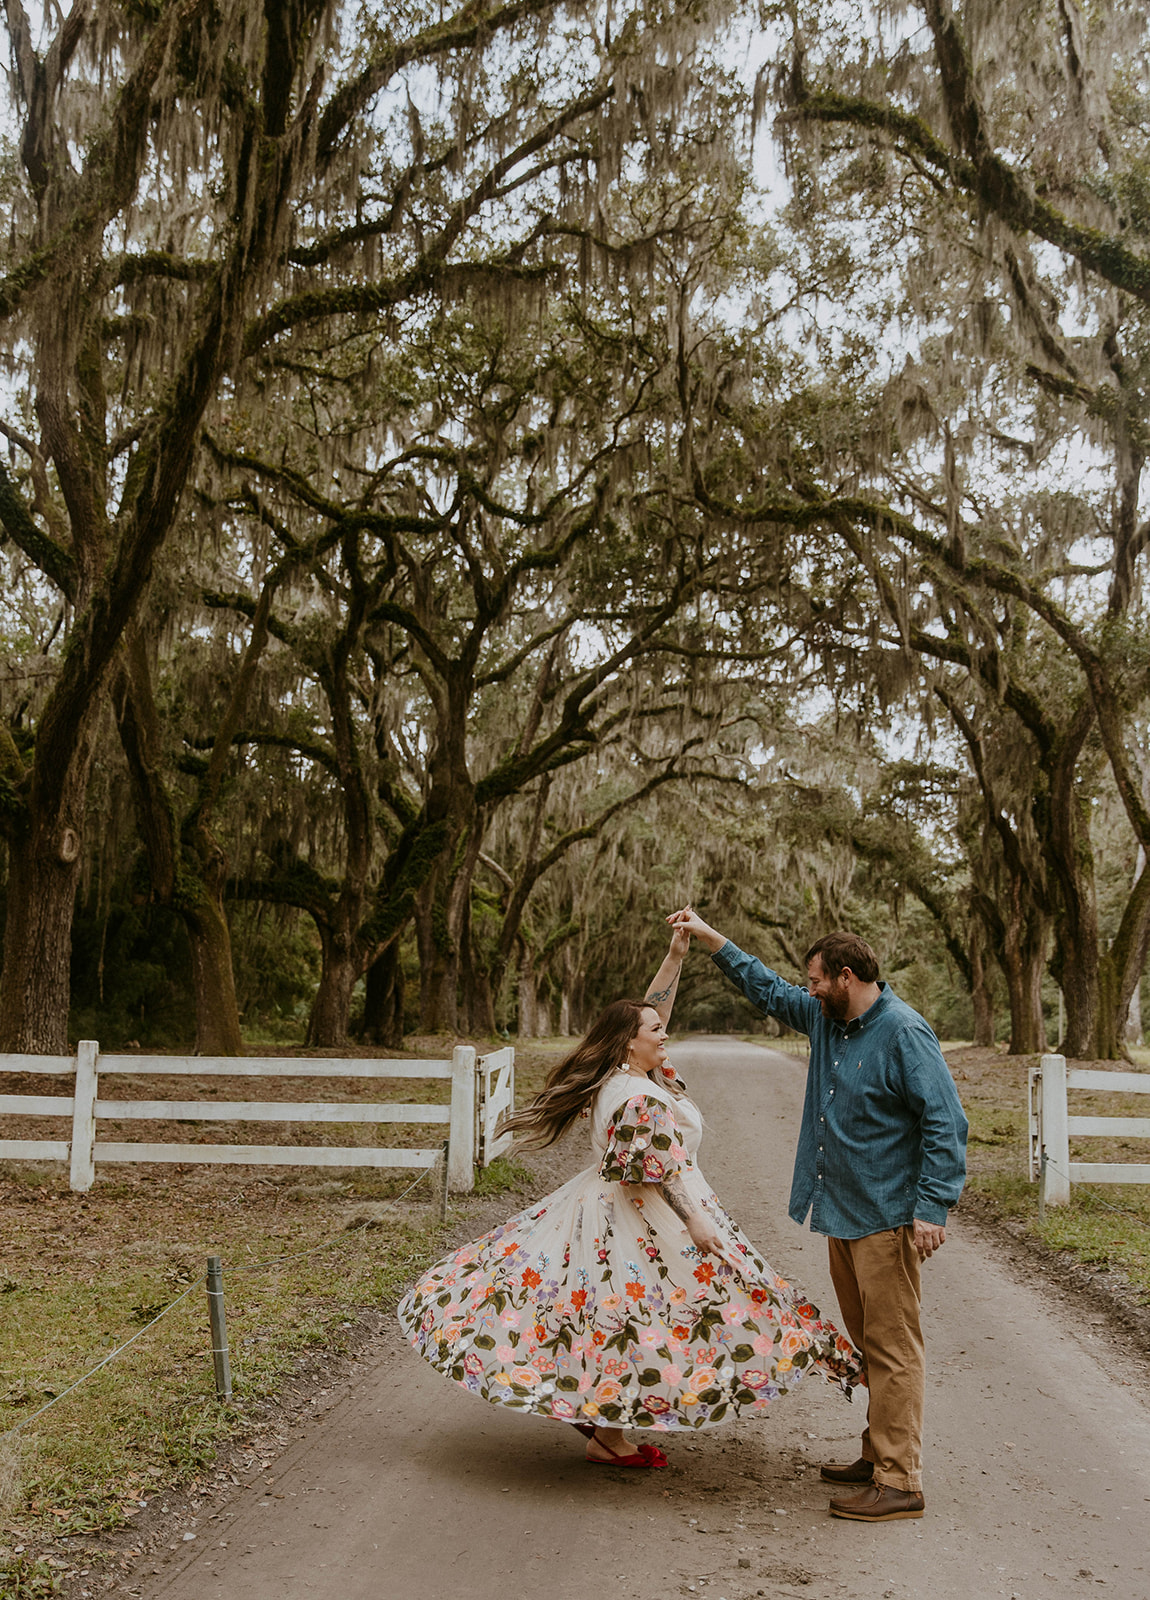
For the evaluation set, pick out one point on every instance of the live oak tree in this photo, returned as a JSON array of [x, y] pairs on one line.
[[194, 186], [999, 477]]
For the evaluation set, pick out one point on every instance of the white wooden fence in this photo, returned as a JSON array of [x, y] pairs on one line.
[[470, 1117], [496, 1086], [1051, 1127]]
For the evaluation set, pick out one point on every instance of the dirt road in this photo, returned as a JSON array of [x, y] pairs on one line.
[[1037, 1466]]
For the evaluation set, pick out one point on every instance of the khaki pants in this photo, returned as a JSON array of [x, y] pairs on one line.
[[876, 1279]]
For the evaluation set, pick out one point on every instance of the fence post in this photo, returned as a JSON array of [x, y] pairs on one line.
[[219, 1326], [439, 1182], [83, 1152], [1055, 1178], [461, 1146]]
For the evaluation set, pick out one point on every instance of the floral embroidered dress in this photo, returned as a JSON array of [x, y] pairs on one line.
[[594, 1306]]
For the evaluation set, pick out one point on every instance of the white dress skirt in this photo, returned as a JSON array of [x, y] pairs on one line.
[[593, 1305]]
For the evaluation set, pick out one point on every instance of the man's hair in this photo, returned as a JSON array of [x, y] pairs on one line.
[[839, 950]]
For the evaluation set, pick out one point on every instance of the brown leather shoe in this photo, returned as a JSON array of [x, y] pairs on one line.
[[880, 1503], [860, 1471]]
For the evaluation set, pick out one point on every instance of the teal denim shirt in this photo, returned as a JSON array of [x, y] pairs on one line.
[[883, 1134]]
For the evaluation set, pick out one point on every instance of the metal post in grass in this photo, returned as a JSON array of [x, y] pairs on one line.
[[219, 1325], [439, 1182]]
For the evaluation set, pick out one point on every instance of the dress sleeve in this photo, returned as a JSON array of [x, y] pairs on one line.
[[643, 1143]]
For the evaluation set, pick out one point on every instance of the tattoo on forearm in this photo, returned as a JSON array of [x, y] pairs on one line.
[[677, 1198], [658, 995]]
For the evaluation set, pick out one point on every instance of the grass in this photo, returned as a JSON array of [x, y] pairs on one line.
[[1106, 1226], [791, 1044], [82, 1274]]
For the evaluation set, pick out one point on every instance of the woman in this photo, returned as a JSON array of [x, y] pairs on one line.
[[628, 1297]]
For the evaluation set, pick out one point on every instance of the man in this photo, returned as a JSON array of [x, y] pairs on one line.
[[881, 1158]]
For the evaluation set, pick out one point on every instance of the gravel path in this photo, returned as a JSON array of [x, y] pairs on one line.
[[1037, 1461]]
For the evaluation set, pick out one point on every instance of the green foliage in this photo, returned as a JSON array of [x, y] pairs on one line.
[[504, 1176]]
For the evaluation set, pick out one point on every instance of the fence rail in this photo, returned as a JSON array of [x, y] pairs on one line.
[[496, 1083], [472, 1111], [1051, 1128]]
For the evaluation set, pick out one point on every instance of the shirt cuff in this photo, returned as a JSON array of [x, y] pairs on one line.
[[930, 1211]]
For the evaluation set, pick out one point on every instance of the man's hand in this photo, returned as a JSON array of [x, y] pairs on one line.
[[693, 923], [928, 1237], [680, 942]]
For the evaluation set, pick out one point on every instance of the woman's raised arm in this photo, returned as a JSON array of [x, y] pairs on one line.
[[664, 985]]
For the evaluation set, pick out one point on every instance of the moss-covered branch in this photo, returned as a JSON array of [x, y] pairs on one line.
[[992, 182], [52, 559]]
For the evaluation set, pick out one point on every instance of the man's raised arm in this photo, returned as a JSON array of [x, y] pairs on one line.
[[774, 996]]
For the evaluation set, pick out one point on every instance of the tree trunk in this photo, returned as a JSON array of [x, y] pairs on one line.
[[479, 998], [438, 964], [1024, 958], [1075, 965], [981, 992], [571, 1005], [213, 980], [43, 876], [187, 872], [534, 1008], [1125, 963], [1110, 1016], [1133, 1030], [383, 999], [1077, 970], [525, 1026], [327, 1024]]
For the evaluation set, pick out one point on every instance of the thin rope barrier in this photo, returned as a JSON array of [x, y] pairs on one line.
[[55, 1400], [1096, 1199], [250, 1266]]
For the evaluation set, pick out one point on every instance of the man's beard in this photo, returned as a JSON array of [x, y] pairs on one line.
[[834, 1006]]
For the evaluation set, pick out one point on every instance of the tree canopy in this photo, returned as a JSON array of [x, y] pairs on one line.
[[454, 513]]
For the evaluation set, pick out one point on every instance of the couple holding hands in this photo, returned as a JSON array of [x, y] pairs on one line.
[[629, 1299]]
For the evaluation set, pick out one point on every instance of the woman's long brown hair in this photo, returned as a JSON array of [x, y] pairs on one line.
[[572, 1085]]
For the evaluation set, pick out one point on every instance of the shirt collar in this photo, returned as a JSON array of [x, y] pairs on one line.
[[856, 1024]]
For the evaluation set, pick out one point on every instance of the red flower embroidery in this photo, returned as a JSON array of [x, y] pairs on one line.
[[531, 1278], [704, 1272], [579, 1299], [635, 1291], [681, 1331]]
